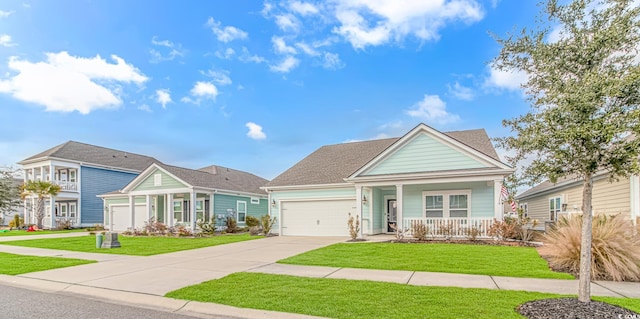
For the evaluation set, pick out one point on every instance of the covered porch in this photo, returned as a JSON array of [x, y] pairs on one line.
[[441, 208]]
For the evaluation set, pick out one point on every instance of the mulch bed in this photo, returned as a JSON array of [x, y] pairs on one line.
[[469, 242], [571, 308]]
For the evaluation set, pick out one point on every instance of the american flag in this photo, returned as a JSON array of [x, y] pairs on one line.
[[505, 197]]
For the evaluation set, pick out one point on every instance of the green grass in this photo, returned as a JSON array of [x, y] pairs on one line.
[[11, 264], [138, 246], [451, 258], [338, 298], [40, 232]]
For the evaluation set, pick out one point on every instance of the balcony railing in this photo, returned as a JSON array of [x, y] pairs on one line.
[[66, 186], [450, 227]]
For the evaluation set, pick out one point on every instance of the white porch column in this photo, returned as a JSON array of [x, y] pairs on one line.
[[132, 210], [359, 208], [192, 210], [212, 212], [149, 208], [51, 174], [400, 204], [371, 201], [634, 180], [497, 203], [170, 210], [52, 202]]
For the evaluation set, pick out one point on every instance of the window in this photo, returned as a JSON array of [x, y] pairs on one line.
[[525, 209], [555, 205], [255, 200], [72, 175], [200, 210], [241, 212], [177, 210], [157, 180], [447, 204], [72, 210], [63, 210]]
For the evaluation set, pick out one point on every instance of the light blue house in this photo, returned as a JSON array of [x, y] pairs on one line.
[[178, 196], [82, 171], [449, 182]]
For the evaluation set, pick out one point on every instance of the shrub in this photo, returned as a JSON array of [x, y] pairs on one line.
[[399, 232], [182, 231], [17, 222], [419, 230], [152, 227], [232, 225], [502, 229], [354, 226], [472, 233], [615, 248], [252, 221], [254, 230], [267, 223], [207, 228]]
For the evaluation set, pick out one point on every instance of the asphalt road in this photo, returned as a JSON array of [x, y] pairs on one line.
[[18, 303]]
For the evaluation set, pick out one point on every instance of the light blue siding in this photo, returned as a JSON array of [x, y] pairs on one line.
[[424, 154], [96, 181], [223, 202]]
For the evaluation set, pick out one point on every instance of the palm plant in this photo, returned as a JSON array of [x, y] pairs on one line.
[[41, 190]]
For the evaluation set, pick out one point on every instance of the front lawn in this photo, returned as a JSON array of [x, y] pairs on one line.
[[139, 246], [16, 232], [436, 257], [339, 298], [11, 264]]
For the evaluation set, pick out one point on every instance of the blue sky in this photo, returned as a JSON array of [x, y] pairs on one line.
[[250, 85]]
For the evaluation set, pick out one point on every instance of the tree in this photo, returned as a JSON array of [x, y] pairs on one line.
[[584, 86], [41, 190], [9, 192]]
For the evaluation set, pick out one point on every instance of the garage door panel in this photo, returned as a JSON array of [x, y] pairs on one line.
[[122, 220], [317, 218]]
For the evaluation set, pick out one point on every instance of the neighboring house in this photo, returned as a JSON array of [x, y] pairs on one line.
[[547, 201], [426, 176], [83, 171], [180, 196]]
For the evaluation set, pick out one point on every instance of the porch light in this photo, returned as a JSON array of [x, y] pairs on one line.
[[364, 200], [273, 203]]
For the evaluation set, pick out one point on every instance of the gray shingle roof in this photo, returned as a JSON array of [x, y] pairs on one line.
[[548, 186], [218, 177], [97, 155], [330, 164]]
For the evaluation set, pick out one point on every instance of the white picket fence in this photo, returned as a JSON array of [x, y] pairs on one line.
[[450, 227]]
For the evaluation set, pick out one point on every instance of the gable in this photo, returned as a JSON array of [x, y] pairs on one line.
[[424, 153], [166, 182]]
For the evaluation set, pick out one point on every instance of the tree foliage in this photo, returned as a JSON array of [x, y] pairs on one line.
[[9, 192], [584, 89], [41, 190]]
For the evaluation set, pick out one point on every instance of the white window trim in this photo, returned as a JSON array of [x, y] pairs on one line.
[[181, 211], [75, 210], [558, 210], [63, 207], [525, 208], [445, 201], [157, 179], [238, 203], [255, 200]]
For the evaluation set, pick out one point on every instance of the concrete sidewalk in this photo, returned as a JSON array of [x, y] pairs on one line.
[[418, 278], [42, 236]]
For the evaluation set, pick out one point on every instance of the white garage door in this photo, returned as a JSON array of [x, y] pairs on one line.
[[122, 220], [317, 218]]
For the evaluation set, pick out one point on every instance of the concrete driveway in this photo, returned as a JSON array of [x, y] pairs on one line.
[[157, 275]]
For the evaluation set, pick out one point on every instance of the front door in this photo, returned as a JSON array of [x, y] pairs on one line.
[[392, 214]]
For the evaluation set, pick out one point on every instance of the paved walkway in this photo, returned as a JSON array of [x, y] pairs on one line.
[[142, 281]]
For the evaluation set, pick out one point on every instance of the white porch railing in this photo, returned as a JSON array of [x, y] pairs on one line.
[[67, 186], [450, 227]]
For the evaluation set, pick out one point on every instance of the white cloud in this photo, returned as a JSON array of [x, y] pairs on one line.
[[397, 19], [246, 56], [67, 83], [285, 65], [332, 61], [5, 40], [226, 34], [172, 50], [145, 107], [219, 77], [227, 54], [4, 14], [281, 47], [307, 49], [461, 92], [255, 131], [432, 110], [505, 80], [201, 90], [287, 22], [303, 8], [163, 96]]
